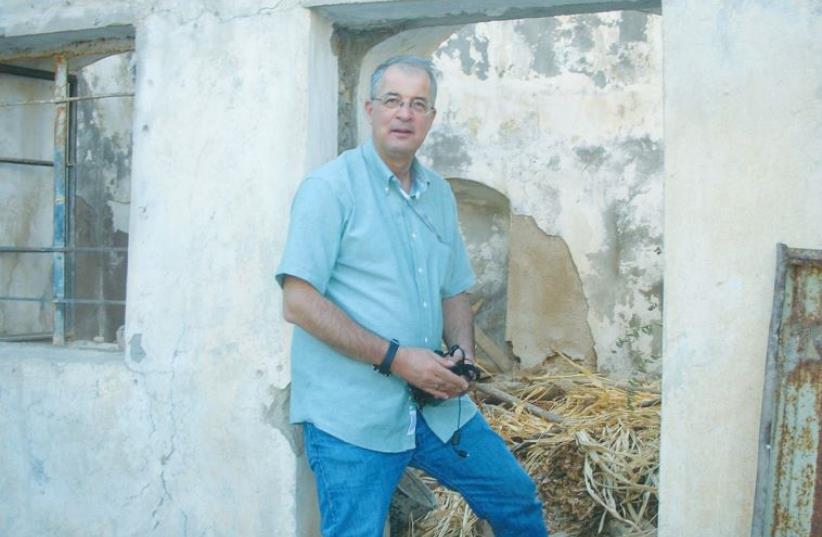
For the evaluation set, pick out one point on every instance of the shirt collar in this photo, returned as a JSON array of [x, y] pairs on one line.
[[379, 170]]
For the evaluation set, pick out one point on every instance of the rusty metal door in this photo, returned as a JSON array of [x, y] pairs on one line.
[[789, 480]]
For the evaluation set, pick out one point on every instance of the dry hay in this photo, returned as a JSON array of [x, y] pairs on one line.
[[598, 466]]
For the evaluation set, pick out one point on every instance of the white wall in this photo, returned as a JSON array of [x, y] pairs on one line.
[[188, 431], [743, 121]]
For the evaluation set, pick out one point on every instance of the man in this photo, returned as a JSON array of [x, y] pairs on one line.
[[374, 276]]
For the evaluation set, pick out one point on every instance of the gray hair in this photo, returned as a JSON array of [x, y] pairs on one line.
[[407, 62]]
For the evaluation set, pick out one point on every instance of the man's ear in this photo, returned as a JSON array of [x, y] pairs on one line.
[[369, 107]]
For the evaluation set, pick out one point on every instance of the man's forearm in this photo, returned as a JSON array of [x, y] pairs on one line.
[[308, 309], [458, 323]]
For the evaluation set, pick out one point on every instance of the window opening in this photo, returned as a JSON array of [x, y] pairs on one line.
[[75, 288]]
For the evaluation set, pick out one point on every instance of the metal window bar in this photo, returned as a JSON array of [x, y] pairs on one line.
[[58, 287], [38, 74], [65, 125]]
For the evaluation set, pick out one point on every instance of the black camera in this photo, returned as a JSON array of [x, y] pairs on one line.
[[461, 368]]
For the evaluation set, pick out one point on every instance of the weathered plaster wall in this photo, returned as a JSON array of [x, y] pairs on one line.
[[563, 115], [198, 443], [743, 121], [25, 18], [186, 433], [83, 445], [221, 141], [26, 194], [546, 305]]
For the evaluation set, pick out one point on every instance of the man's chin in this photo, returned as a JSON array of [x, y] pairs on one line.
[[398, 150]]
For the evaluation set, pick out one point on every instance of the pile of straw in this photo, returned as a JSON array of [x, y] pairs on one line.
[[591, 445]]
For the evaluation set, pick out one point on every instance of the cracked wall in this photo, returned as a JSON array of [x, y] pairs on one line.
[[185, 433], [563, 116]]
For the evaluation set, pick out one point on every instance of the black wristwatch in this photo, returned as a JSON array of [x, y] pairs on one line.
[[385, 366]]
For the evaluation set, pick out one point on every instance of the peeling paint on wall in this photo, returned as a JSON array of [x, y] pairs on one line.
[[633, 27], [547, 310], [540, 35], [566, 122], [448, 150], [472, 51], [276, 415]]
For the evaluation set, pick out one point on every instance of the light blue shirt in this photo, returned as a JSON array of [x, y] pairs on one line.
[[387, 259]]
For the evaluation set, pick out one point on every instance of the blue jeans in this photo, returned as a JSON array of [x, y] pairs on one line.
[[355, 485]]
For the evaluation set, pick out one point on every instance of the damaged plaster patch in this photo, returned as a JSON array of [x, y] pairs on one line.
[[647, 153], [136, 351], [583, 36], [540, 35], [632, 26], [276, 415], [592, 156], [467, 45], [447, 152], [547, 311], [626, 287], [571, 149]]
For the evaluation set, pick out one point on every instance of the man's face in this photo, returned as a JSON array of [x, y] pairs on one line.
[[400, 132]]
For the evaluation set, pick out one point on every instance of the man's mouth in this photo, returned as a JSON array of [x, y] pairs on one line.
[[402, 132]]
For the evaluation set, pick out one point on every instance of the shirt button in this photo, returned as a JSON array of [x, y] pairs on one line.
[[425, 304], [426, 340], [386, 189], [419, 269], [413, 235]]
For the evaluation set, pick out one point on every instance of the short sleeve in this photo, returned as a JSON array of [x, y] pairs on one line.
[[460, 277], [314, 234]]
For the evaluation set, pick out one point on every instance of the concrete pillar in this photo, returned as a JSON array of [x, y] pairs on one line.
[[226, 115], [743, 120]]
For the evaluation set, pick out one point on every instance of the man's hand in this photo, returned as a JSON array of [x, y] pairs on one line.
[[428, 371]]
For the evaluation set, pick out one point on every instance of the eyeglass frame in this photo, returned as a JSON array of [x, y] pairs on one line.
[[401, 103]]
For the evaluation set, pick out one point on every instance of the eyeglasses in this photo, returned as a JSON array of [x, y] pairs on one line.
[[416, 105]]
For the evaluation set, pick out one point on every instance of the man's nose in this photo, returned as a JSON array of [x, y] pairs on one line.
[[404, 111]]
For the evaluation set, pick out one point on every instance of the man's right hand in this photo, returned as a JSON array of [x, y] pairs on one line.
[[428, 371]]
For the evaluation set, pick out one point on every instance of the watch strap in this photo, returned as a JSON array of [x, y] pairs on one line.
[[385, 367]]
